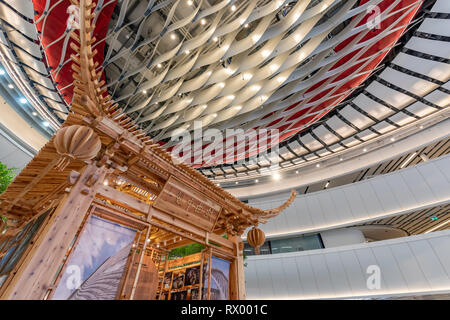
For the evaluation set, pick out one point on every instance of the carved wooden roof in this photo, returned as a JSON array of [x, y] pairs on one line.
[[125, 148]]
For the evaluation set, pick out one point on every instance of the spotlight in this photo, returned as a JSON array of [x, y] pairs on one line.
[[45, 124], [34, 113], [10, 86], [23, 100]]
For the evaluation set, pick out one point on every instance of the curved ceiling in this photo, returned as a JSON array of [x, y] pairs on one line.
[[244, 64]]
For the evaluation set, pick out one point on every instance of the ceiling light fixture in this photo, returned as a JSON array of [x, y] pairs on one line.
[[276, 176], [407, 161], [215, 39], [246, 25], [438, 226], [23, 100], [233, 8], [265, 53], [173, 36], [10, 86], [189, 2], [203, 21]]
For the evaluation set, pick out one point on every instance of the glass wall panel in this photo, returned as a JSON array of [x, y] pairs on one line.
[[283, 245]]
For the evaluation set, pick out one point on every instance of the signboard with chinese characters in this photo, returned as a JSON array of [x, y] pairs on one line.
[[188, 204]]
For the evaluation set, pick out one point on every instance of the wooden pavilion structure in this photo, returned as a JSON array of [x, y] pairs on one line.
[[101, 164]]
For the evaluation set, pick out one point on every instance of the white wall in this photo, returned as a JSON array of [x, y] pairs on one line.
[[410, 265], [403, 191], [342, 237]]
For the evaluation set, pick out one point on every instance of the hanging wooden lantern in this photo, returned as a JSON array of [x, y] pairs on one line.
[[256, 238], [76, 143]]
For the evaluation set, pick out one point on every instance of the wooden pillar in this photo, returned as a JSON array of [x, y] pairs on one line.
[[38, 268], [237, 280], [166, 264], [209, 272], [200, 287], [138, 272]]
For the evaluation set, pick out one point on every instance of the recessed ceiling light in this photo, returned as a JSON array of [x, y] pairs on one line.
[[256, 180], [365, 149], [189, 2], [318, 165], [392, 139], [45, 124], [144, 91], [173, 36], [233, 8], [203, 21], [10, 86], [23, 100], [187, 52], [159, 65], [2, 72], [296, 172], [265, 53], [237, 182], [246, 25], [215, 39], [276, 176], [34, 113]]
